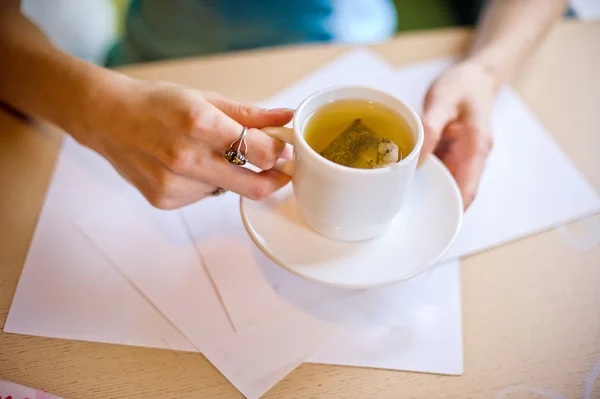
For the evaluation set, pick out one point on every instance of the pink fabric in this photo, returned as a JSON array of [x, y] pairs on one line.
[[10, 390]]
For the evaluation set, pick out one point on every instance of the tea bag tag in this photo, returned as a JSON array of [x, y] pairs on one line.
[[387, 153]]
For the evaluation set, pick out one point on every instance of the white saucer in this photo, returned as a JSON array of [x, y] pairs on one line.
[[419, 236]]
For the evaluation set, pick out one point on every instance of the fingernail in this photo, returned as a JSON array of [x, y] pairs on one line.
[[282, 110]]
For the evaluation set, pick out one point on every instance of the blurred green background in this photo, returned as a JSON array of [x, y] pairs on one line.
[[412, 14]]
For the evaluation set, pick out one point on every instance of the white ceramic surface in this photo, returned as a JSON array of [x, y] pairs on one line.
[[417, 237], [338, 201]]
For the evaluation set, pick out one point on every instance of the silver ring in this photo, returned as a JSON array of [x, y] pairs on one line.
[[236, 154], [218, 191]]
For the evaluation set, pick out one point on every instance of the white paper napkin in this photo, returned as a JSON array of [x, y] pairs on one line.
[[155, 253], [253, 288]]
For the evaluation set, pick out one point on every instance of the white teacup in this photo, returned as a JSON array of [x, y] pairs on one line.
[[339, 202]]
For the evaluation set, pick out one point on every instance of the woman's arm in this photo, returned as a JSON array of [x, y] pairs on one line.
[[43, 81], [509, 31]]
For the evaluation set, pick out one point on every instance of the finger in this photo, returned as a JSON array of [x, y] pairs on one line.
[[479, 142], [468, 174], [169, 203], [452, 133], [165, 189], [437, 113], [162, 188], [132, 171], [284, 134], [143, 184], [169, 185], [243, 181], [219, 132], [250, 115], [442, 148]]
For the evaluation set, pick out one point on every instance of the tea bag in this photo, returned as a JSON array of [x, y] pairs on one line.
[[360, 147]]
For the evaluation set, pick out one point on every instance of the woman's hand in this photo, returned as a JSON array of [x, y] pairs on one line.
[[456, 119], [169, 141]]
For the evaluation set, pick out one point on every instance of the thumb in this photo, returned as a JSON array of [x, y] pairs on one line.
[[249, 115], [436, 116]]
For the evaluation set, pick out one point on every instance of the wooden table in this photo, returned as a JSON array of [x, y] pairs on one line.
[[531, 308]]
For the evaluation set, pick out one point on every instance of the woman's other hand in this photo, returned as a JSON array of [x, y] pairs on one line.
[[456, 120]]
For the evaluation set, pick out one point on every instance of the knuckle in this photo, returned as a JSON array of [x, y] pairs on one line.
[[213, 95], [266, 158], [204, 124], [259, 191], [181, 157], [198, 121], [159, 201], [248, 111], [189, 117], [166, 183]]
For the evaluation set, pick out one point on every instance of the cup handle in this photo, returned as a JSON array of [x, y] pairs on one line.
[[286, 135]]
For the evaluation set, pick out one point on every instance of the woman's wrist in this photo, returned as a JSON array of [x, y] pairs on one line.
[[102, 96], [488, 62]]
